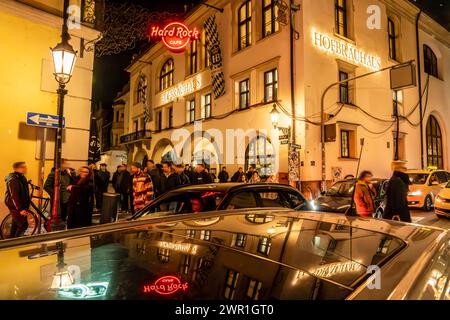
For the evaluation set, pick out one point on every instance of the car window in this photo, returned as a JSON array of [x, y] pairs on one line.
[[296, 201], [341, 189], [448, 175], [190, 202], [272, 199], [434, 283], [418, 178], [241, 200], [441, 176]]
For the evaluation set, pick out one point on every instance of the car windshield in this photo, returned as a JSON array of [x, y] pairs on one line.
[[198, 259], [341, 189], [187, 202], [418, 178]]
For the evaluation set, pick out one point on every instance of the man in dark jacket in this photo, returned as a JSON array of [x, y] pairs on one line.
[[123, 186], [170, 179], [396, 193], [155, 174], [249, 173], [223, 175], [236, 176], [67, 177], [179, 169], [17, 199], [201, 176], [114, 178], [101, 184]]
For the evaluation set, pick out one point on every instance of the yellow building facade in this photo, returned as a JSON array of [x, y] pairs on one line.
[[28, 29]]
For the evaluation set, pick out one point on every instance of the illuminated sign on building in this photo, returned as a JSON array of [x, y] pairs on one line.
[[345, 50], [166, 285], [182, 89], [180, 247], [175, 35], [331, 269]]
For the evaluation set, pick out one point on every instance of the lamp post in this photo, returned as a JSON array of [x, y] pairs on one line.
[[64, 57]]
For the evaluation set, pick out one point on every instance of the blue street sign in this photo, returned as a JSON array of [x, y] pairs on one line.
[[43, 120]]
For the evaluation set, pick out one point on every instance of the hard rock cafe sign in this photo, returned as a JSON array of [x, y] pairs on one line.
[[175, 36], [166, 285]]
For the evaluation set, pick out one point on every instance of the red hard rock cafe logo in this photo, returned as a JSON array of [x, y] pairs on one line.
[[175, 35], [166, 285]]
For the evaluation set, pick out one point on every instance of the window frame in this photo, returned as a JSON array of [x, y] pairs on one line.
[[193, 57], [392, 41], [240, 240], [274, 24], [273, 85], [190, 110], [255, 291], [264, 245], [430, 61], [206, 107], [232, 287], [158, 120], [244, 93], [341, 9], [170, 117], [347, 147], [166, 75], [245, 21], [434, 143], [344, 92]]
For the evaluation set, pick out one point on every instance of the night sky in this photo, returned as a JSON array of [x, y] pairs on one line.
[[109, 73]]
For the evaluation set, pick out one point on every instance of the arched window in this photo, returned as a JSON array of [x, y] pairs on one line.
[[141, 93], [245, 25], [430, 61], [166, 75], [260, 154], [434, 144]]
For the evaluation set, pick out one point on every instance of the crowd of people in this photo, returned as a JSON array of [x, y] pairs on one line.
[[83, 191]]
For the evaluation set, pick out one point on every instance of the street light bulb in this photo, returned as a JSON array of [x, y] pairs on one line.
[[63, 62], [274, 116]]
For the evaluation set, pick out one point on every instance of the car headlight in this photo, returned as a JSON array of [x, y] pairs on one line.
[[313, 204], [415, 193]]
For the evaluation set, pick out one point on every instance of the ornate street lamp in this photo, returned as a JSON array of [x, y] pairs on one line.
[[63, 61], [274, 116]]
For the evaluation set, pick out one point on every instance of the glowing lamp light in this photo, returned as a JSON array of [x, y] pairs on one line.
[[62, 279], [274, 116], [63, 61]]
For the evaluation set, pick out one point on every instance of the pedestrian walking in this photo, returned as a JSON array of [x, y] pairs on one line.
[[123, 186], [67, 177], [170, 179], [17, 199], [142, 187], [101, 184], [81, 200], [237, 175], [155, 174], [364, 195], [255, 177], [201, 176], [223, 175], [184, 179], [396, 195]]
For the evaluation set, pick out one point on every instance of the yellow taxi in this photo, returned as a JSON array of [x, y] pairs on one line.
[[442, 202], [425, 186]]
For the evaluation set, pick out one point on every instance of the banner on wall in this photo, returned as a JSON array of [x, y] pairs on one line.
[[215, 56]]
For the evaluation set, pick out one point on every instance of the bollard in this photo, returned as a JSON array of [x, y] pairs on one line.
[[109, 207]]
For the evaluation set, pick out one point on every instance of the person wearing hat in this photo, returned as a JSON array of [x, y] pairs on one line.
[[396, 194], [142, 186], [101, 179]]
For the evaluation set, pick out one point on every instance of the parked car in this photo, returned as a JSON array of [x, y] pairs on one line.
[[256, 254], [442, 203], [425, 186], [338, 198], [222, 196]]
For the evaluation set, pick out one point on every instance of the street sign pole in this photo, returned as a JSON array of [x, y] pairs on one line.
[[42, 172]]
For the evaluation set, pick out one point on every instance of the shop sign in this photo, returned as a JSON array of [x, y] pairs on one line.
[[180, 247], [166, 285], [175, 35], [346, 51], [182, 89]]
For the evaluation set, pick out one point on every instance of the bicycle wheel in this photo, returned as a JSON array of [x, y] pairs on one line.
[[5, 228]]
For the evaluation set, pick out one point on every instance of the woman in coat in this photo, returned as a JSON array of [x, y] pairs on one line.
[[81, 200], [397, 196], [364, 195]]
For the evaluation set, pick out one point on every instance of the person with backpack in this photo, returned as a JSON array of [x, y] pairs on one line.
[[17, 199]]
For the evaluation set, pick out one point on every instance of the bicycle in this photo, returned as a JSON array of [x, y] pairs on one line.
[[37, 219]]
